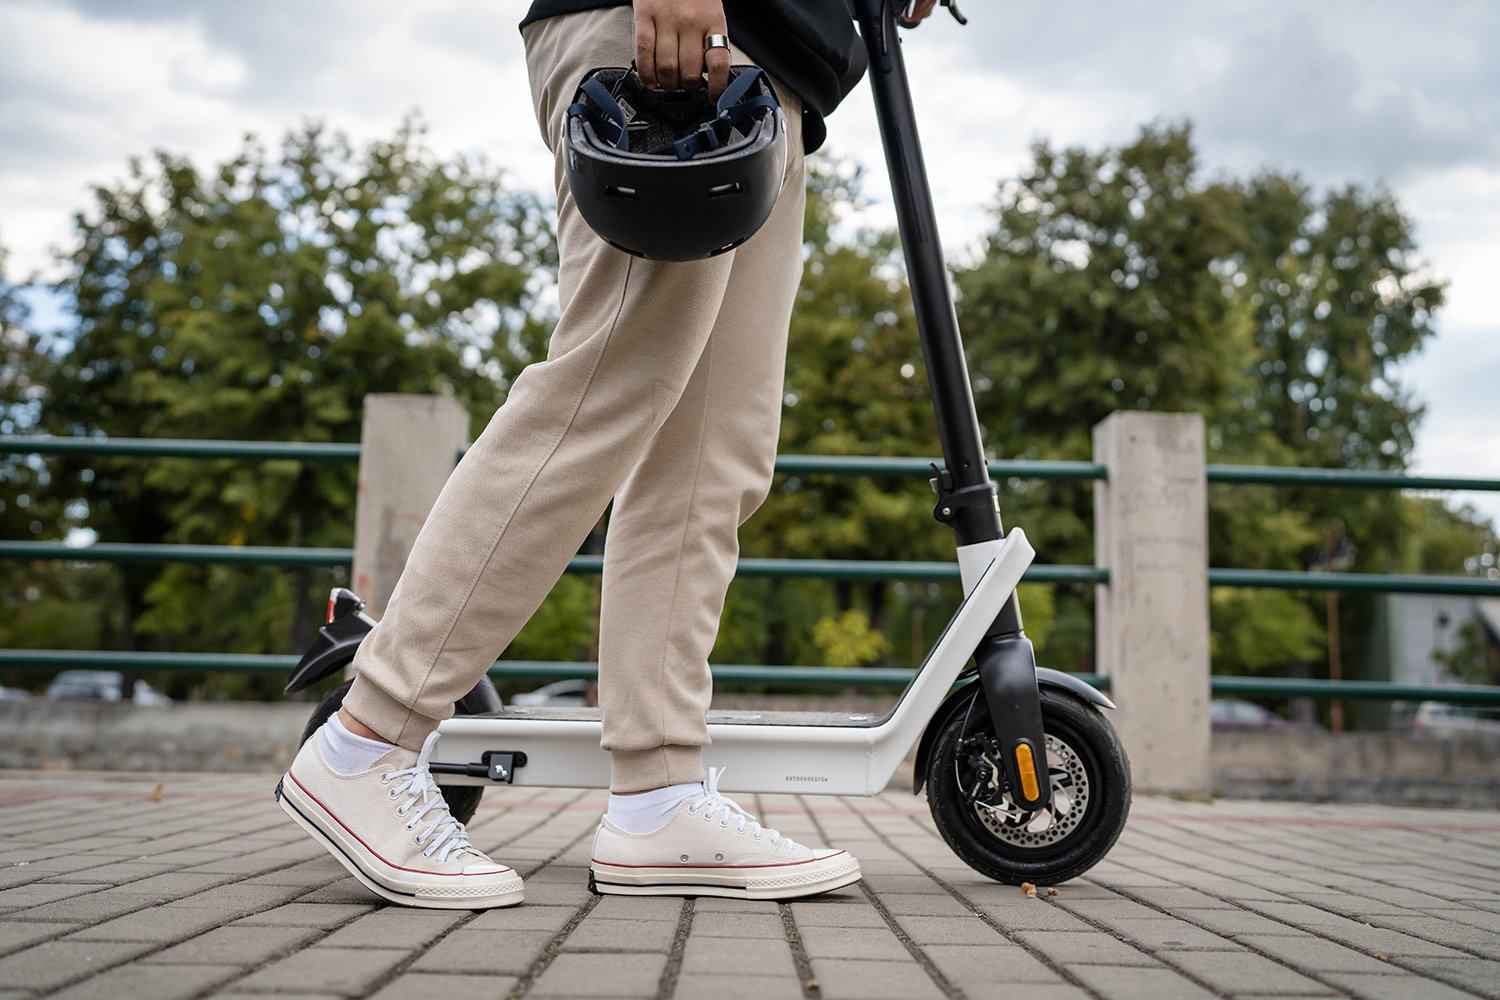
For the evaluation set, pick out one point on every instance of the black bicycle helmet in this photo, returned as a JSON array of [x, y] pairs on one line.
[[671, 175]]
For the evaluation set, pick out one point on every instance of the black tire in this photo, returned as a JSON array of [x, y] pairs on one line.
[[463, 800], [1086, 761]]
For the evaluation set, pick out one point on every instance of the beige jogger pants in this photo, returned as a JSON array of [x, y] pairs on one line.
[[662, 391]]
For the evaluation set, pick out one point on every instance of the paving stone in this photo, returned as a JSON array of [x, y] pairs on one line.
[[525, 917], [621, 935], [238, 945], [853, 979], [1481, 975], [1067, 948], [38, 893], [925, 905], [836, 915], [633, 907], [465, 950], [584, 975], [945, 930], [1242, 972], [159, 982], [852, 942], [1314, 954], [325, 915], [429, 985], [1000, 962], [1124, 982], [50, 964], [156, 923], [1395, 986], [1231, 922], [750, 957], [726, 987], [397, 926], [1165, 934], [738, 925], [88, 909], [1022, 914], [345, 971], [17, 934]]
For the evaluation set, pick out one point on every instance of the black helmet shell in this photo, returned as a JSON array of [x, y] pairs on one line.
[[671, 175]]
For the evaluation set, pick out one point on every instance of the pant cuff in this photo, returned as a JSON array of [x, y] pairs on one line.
[[393, 719], [643, 770]]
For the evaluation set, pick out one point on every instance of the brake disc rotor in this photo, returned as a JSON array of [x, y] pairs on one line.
[[1012, 824]]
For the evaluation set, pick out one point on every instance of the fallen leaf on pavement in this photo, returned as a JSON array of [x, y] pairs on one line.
[[156, 795], [1029, 889]]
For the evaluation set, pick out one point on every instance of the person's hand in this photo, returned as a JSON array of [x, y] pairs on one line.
[[669, 38], [917, 12]]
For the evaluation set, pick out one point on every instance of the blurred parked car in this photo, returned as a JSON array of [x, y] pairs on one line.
[[558, 694], [1234, 714], [1440, 717], [101, 685], [14, 694]]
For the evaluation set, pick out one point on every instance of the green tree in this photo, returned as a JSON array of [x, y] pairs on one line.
[[263, 299]]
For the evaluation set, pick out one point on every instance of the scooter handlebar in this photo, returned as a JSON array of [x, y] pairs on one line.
[[952, 6]]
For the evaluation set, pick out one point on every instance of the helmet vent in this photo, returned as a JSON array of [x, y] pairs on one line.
[[626, 193], [724, 190]]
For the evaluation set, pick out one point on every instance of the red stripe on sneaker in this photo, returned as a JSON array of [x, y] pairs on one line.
[[399, 868], [783, 864]]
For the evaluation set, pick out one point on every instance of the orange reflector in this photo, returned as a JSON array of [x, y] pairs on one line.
[[1027, 767]]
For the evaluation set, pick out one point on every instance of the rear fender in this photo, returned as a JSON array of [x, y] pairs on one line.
[[331, 651]]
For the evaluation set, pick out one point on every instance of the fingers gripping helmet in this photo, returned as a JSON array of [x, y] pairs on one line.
[[671, 175]]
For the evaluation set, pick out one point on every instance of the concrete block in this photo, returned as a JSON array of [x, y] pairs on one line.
[[1121, 982], [484, 952], [1151, 533], [50, 964], [409, 445], [998, 962], [732, 925]]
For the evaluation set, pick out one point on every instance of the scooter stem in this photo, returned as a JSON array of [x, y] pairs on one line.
[[973, 514]]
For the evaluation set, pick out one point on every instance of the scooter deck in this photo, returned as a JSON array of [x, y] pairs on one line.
[[718, 717]]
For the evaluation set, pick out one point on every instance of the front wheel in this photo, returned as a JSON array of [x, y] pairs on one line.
[[463, 800], [975, 813]]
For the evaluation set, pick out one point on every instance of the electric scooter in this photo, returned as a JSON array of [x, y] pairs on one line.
[[1026, 779]]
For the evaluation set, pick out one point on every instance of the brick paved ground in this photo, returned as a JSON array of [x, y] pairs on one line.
[[211, 891]]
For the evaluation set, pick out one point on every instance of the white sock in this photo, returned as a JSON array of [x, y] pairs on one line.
[[649, 811], [346, 752]]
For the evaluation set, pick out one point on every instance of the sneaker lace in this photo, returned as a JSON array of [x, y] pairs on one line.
[[444, 835], [713, 802]]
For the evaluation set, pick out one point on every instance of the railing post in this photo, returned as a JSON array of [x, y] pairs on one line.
[[1151, 533], [409, 445]]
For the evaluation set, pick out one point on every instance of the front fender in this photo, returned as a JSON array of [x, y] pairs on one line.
[[959, 697]]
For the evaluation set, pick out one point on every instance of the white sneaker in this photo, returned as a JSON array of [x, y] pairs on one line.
[[391, 828], [712, 847]]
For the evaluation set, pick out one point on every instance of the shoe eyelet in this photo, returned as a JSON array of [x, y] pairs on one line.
[[411, 826], [401, 810], [758, 836], [724, 823], [395, 794], [684, 857], [718, 857], [692, 810]]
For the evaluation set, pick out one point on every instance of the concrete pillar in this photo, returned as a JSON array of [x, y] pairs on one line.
[[409, 445], [1151, 533]]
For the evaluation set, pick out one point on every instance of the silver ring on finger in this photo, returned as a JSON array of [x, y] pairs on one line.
[[715, 42]]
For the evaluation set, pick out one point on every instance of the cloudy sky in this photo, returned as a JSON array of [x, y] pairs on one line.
[[1370, 91]]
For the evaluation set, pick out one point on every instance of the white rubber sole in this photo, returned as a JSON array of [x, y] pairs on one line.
[[770, 882], [308, 814]]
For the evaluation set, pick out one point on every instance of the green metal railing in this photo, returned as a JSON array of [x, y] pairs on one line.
[[844, 569]]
